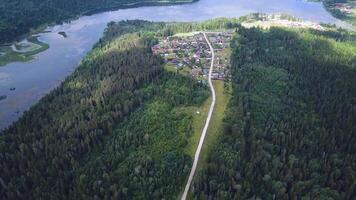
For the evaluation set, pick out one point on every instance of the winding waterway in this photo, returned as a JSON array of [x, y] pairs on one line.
[[32, 80]]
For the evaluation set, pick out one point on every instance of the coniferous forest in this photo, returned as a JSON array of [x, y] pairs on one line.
[[289, 131], [117, 128], [111, 130]]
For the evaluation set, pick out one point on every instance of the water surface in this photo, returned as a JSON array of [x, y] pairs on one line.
[[36, 78]]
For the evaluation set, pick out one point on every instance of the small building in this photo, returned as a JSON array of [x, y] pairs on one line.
[[215, 76], [196, 72]]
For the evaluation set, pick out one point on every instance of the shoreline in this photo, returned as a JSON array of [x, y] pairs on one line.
[[10, 53], [42, 28], [8, 56]]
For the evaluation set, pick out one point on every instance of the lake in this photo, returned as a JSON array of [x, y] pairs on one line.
[[32, 80]]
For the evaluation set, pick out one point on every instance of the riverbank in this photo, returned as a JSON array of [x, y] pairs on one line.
[[63, 57], [9, 55], [34, 21], [119, 115], [138, 4], [139, 108], [22, 51]]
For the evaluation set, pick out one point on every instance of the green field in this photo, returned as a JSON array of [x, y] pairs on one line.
[[223, 95], [199, 117]]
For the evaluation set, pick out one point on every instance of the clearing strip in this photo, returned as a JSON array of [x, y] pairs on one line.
[[203, 134]]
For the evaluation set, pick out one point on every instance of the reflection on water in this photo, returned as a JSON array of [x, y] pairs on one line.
[[34, 79]]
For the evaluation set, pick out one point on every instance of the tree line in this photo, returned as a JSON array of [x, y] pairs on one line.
[[40, 151]]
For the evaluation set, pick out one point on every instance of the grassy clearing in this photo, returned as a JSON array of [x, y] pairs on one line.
[[199, 114], [190, 34], [198, 124], [170, 68], [7, 55], [215, 127], [182, 71]]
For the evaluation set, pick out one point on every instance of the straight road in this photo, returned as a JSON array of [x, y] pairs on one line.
[[202, 137]]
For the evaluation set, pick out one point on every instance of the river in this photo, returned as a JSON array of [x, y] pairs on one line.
[[32, 80]]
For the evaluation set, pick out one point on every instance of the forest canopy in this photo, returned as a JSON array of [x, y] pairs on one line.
[[113, 129], [116, 128], [289, 131]]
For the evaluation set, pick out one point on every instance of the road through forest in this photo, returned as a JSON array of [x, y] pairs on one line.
[[203, 134]]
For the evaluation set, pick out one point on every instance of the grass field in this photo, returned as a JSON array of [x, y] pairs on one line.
[[216, 124], [190, 34], [199, 118], [199, 114], [198, 124], [182, 71]]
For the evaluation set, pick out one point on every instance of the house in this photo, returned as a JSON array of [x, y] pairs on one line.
[[215, 76], [196, 72], [206, 71]]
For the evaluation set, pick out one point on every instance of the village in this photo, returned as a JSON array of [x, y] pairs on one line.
[[347, 7], [190, 54]]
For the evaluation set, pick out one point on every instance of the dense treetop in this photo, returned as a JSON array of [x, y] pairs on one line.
[[290, 127], [116, 128], [106, 113]]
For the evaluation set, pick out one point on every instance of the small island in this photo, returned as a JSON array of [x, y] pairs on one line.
[[62, 33], [2, 97]]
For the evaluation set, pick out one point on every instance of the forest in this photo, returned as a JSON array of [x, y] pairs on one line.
[[289, 131], [113, 129], [18, 17], [117, 128]]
